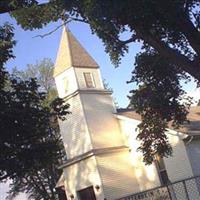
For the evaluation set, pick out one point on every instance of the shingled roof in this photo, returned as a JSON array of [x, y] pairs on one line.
[[71, 53], [192, 128]]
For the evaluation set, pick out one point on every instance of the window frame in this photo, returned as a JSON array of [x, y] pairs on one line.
[[88, 85], [161, 170]]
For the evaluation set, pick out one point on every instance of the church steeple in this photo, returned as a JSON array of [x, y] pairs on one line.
[[74, 68], [78, 80], [72, 54]]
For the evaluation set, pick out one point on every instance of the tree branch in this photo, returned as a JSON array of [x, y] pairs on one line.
[[63, 24], [2, 178], [172, 55], [79, 20], [5, 7], [191, 33], [52, 31], [133, 38]]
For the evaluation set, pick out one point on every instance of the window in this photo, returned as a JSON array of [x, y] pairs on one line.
[[65, 84], [87, 193], [162, 172], [89, 80]]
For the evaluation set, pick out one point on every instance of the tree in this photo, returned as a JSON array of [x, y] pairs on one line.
[[30, 144], [29, 140], [43, 72], [159, 100], [169, 28], [40, 184]]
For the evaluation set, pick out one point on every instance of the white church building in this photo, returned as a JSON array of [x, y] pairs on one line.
[[100, 140]]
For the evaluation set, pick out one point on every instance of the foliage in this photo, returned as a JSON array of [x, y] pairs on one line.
[[40, 184], [169, 28], [159, 101], [29, 140], [6, 45], [43, 72]]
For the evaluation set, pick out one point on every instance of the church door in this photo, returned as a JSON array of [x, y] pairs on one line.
[[87, 193]]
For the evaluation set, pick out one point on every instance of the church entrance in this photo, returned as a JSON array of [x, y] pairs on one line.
[[87, 193]]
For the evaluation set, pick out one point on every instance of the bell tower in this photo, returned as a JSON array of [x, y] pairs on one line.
[[96, 154], [91, 124]]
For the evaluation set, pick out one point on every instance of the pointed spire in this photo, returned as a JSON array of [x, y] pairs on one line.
[[71, 53]]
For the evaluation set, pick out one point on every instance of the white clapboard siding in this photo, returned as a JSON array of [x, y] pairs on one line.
[[74, 130], [178, 165], [102, 125], [95, 74], [193, 150], [117, 174], [82, 175]]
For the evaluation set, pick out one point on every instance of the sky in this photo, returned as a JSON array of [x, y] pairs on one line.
[[30, 49]]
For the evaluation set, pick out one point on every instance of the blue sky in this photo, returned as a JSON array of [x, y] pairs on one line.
[[29, 50]]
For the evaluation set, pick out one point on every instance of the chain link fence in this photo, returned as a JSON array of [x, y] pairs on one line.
[[188, 189]]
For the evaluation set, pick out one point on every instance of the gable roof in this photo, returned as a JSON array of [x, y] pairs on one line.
[[71, 53], [192, 128]]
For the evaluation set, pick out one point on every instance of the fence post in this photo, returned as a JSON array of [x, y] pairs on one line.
[[186, 192], [169, 192]]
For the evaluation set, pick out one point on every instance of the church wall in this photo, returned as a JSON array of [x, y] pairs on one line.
[[193, 151], [66, 81], [102, 125], [82, 175], [117, 174], [146, 175], [96, 76], [178, 166], [74, 130]]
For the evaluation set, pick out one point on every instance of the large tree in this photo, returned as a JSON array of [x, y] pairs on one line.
[[160, 100], [168, 28], [29, 141], [40, 184], [171, 27]]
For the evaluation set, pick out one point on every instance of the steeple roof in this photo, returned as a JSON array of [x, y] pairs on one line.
[[71, 53]]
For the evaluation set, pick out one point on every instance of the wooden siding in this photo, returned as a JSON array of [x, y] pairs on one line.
[[69, 75], [96, 77], [193, 150], [102, 125], [117, 174], [146, 175], [82, 175], [74, 130], [178, 165]]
